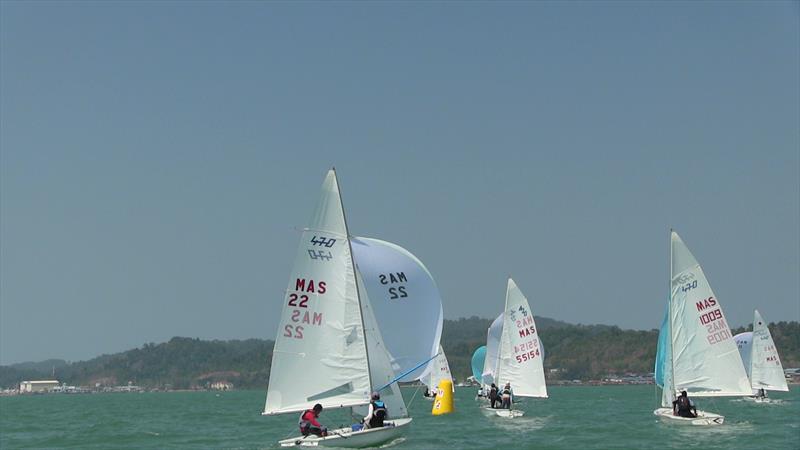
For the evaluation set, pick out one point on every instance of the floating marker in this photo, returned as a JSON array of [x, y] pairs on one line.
[[443, 403]]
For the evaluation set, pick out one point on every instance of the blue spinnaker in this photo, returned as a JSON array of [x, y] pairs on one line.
[[477, 362]]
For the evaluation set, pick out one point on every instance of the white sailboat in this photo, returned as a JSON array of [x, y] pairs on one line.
[[761, 360], [696, 352], [439, 370], [328, 349], [520, 356], [490, 364]]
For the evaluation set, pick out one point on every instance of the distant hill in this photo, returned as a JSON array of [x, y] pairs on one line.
[[577, 351], [181, 363], [41, 366]]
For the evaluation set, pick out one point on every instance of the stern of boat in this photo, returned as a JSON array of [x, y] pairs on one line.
[[703, 418], [347, 438]]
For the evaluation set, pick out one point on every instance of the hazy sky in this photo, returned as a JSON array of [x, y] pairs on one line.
[[156, 158]]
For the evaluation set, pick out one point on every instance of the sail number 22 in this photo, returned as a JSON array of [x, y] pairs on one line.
[[299, 299]]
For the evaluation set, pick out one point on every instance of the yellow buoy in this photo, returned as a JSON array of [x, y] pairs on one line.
[[443, 403]]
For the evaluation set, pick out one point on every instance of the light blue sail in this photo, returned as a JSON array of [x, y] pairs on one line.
[[477, 362], [663, 351]]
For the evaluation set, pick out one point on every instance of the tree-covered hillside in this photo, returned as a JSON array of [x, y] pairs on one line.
[[181, 363], [578, 351]]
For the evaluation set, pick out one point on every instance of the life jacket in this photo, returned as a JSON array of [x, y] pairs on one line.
[[683, 404], [379, 413], [493, 393], [307, 419], [506, 391]]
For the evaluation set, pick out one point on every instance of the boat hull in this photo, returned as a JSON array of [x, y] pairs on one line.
[[758, 399], [347, 438], [505, 413], [703, 418]]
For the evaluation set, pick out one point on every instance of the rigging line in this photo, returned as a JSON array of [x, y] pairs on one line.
[[413, 396], [406, 373], [290, 434]]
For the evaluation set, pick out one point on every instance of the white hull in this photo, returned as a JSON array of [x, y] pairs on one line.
[[758, 399], [346, 438], [703, 418], [507, 413]]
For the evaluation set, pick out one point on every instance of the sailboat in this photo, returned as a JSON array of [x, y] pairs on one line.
[[491, 356], [520, 358], [476, 363], [761, 360], [328, 349], [439, 370], [696, 352]]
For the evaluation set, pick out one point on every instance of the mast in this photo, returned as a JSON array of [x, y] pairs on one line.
[[486, 357], [752, 347], [355, 276], [669, 321], [503, 333]]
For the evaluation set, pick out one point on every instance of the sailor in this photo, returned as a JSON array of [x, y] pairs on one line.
[[507, 397], [493, 397], [377, 412], [762, 394], [684, 407], [309, 423]]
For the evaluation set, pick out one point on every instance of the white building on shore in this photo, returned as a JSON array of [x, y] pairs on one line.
[[37, 386]]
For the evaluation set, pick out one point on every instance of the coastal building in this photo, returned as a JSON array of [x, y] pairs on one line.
[[37, 386], [221, 386]]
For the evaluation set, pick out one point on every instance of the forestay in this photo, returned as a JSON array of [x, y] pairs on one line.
[[319, 354], [405, 301], [705, 360], [520, 361]]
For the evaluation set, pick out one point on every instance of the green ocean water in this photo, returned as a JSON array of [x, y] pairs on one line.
[[591, 417]]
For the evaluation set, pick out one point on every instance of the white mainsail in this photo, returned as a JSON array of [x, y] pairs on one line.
[[703, 356], [520, 361], [761, 358], [490, 364], [767, 370], [401, 292], [320, 355], [440, 370]]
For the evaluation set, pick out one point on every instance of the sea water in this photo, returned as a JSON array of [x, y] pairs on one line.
[[575, 417]]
